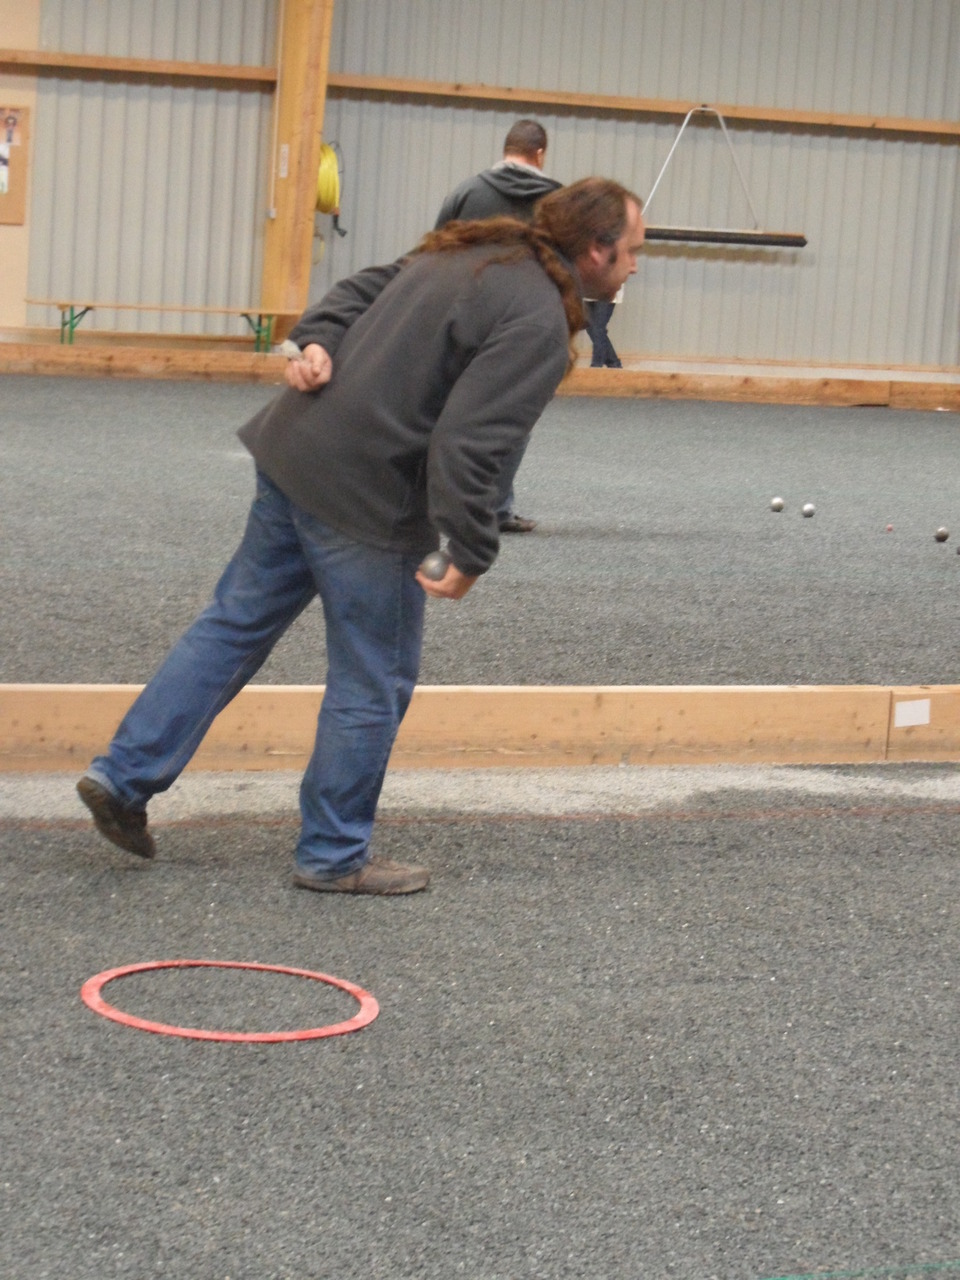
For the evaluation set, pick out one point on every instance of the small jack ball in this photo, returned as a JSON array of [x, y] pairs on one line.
[[435, 565], [776, 504], [808, 509], [942, 534], [889, 528]]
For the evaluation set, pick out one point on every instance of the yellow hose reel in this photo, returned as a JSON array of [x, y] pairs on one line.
[[328, 181], [328, 192]]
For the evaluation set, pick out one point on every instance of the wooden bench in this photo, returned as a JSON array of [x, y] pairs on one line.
[[72, 311]]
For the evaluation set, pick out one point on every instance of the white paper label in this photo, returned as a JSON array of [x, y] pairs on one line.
[[916, 711]]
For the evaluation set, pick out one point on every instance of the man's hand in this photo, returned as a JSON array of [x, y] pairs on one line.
[[312, 370], [454, 585]]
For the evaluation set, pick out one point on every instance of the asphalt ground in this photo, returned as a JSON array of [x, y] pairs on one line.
[[644, 1023], [657, 559]]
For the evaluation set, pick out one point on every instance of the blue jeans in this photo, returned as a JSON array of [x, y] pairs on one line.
[[598, 317], [373, 608], [508, 473]]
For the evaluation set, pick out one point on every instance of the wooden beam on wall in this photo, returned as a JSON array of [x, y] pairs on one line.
[[303, 42], [101, 66], [346, 84], [342, 84]]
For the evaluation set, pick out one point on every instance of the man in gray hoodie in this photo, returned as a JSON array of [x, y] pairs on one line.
[[510, 189], [416, 381]]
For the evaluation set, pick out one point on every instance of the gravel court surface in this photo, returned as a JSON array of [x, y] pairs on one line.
[[713, 1038], [701, 1024], [598, 789], [657, 559]]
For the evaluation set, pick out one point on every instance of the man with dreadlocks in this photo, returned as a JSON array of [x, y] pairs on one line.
[[416, 381]]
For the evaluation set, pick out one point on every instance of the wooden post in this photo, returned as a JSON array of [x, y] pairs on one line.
[[303, 43]]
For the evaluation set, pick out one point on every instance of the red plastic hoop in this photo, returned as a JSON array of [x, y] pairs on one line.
[[90, 994]]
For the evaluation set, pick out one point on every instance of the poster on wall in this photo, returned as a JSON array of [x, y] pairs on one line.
[[13, 164]]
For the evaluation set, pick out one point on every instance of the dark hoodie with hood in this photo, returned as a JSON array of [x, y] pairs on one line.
[[509, 190]]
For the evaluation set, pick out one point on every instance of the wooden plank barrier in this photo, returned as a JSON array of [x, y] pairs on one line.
[[737, 387], [200, 362], [49, 728], [35, 359]]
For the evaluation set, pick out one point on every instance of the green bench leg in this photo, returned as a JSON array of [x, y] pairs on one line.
[[70, 318], [262, 328]]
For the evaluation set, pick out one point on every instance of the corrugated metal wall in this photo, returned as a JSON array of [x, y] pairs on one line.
[[879, 282], [155, 193], [882, 56], [146, 192]]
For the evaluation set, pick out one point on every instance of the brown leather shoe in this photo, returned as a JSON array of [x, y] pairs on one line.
[[517, 524], [379, 875], [126, 828]]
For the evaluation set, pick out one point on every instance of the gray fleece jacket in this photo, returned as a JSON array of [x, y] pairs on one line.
[[442, 363], [507, 190]]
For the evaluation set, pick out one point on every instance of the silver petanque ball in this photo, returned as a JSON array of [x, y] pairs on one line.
[[435, 565]]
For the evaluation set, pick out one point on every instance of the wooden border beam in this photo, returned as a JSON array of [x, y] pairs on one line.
[[176, 361], [49, 728], [744, 388], [202, 358]]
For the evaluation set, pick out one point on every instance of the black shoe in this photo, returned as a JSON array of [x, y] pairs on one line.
[[517, 524], [126, 828]]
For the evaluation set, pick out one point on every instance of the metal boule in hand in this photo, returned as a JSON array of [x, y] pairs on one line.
[[435, 565]]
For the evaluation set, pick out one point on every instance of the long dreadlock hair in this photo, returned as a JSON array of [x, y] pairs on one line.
[[520, 241], [566, 222]]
